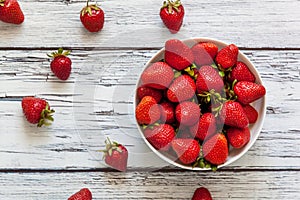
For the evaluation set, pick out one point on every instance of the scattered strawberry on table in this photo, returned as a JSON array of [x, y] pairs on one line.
[[92, 17], [61, 65], [11, 12], [202, 193], [197, 101], [172, 14], [83, 194]]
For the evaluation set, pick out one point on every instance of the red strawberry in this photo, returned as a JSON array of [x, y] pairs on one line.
[[167, 112], [238, 137], [83, 194], [251, 113], [160, 136], [187, 150], [204, 53], [159, 75], [227, 57], [182, 88], [187, 113], [37, 111], [61, 64], [208, 79], [241, 72], [232, 114], [115, 155], [247, 92], [10, 12], [202, 193], [205, 128], [92, 17], [147, 111], [172, 14], [178, 55], [215, 150], [146, 91]]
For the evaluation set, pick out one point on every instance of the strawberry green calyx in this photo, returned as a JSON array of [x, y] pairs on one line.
[[88, 9], [46, 117], [110, 147], [171, 5], [59, 52]]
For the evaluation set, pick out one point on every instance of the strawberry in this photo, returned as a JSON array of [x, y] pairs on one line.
[[167, 113], [238, 137], [37, 111], [158, 75], [61, 64], [178, 55], [143, 91], [10, 12], [241, 72], [215, 149], [187, 113], [92, 17], [187, 150], [160, 136], [202, 193], [205, 128], [247, 92], [172, 14], [227, 57], [251, 113], [115, 155], [208, 79], [182, 88], [147, 111], [232, 114], [83, 194], [204, 53]]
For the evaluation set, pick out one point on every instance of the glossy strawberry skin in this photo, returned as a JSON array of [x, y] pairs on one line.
[[204, 53], [147, 111], [178, 55], [227, 57], [173, 21], [205, 128], [215, 150], [61, 67], [11, 12], [187, 113], [237, 137], [251, 113], [232, 114], [93, 21], [202, 193], [208, 79], [118, 158], [182, 88], [248, 92], [83, 194], [143, 91], [241, 72], [167, 113], [187, 150], [32, 108]]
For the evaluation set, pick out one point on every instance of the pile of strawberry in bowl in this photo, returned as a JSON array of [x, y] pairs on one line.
[[200, 103]]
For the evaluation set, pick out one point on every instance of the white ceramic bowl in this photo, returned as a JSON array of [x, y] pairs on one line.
[[259, 105]]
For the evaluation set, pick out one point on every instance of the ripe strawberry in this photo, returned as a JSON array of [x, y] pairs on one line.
[[232, 114], [202, 193], [61, 64], [247, 92], [167, 113], [172, 14], [159, 75], [37, 111], [143, 91], [147, 111], [83, 194], [251, 113], [178, 55], [187, 113], [187, 150], [160, 136], [238, 137], [208, 79], [215, 150], [10, 12], [92, 17], [205, 128], [182, 88], [227, 57], [204, 53], [241, 72], [115, 155]]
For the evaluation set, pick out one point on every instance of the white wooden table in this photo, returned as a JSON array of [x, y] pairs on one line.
[[52, 163]]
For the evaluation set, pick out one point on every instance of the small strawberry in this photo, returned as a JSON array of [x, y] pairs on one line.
[[167, 113], [251, 113], [147, 111], [143, 91], [115, 155], [238, 137], [241, 72], [158, 75], [83, 194], [204, 53], [61, 64], [202, 193], [182, 88], [247, 92], [92, 17], [172, 14], [205, 128], [227, 57], [215, 149], [178, 55], [187, 113], [10, 12], [37, 111], [187, 150], [208, 79], [160, 136]]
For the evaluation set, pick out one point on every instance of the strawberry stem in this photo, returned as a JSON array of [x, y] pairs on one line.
[[46, 117]]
